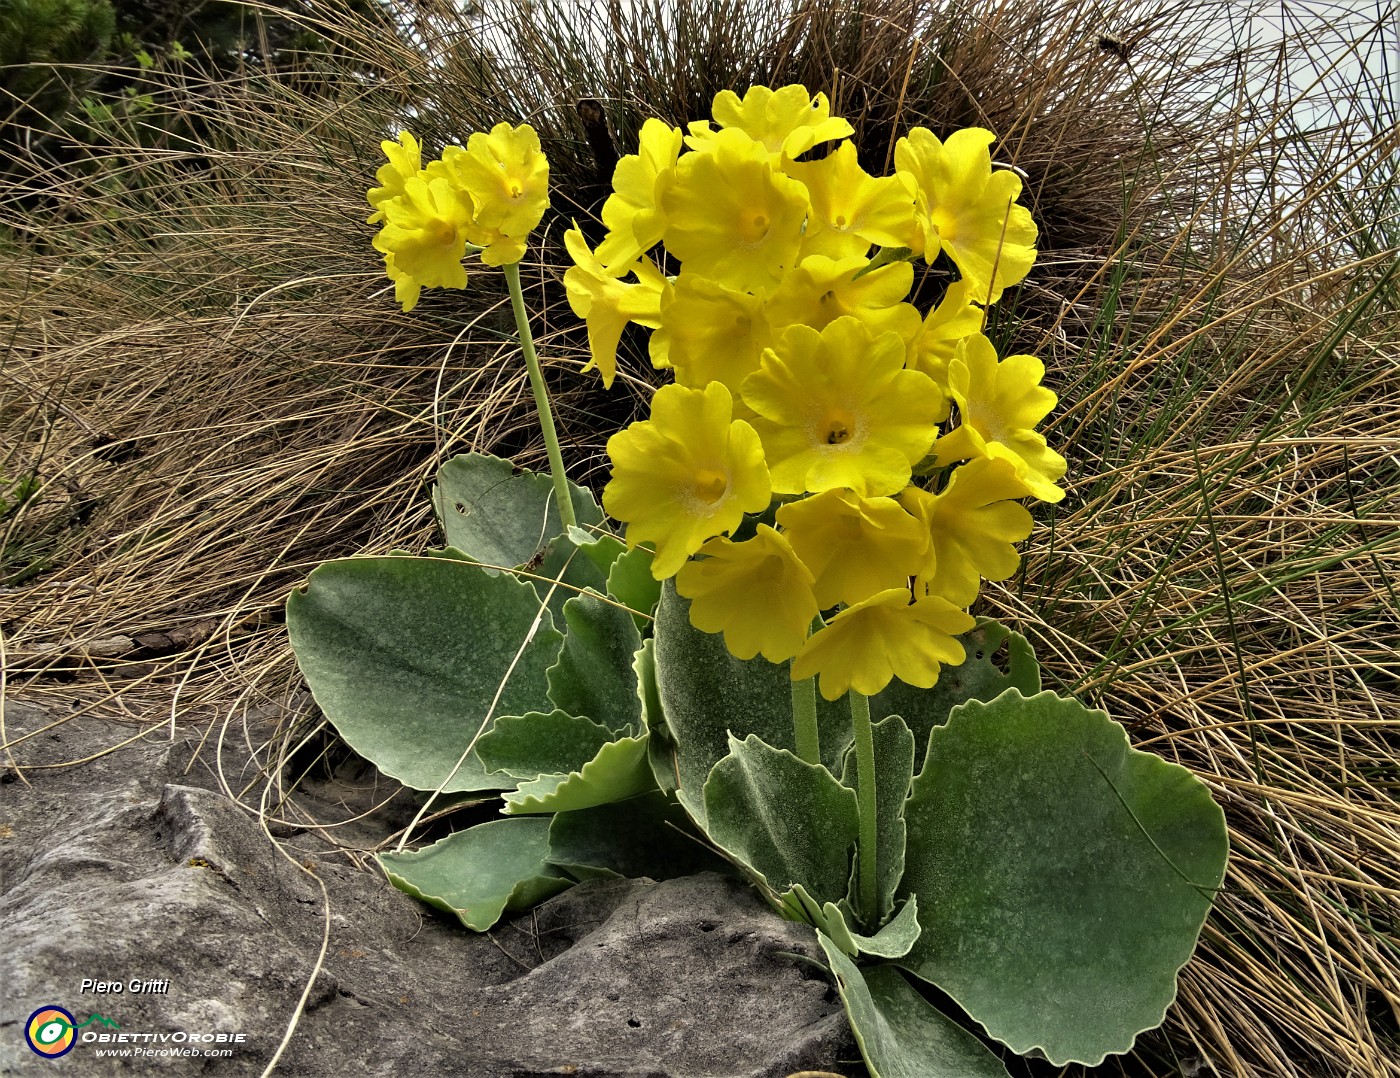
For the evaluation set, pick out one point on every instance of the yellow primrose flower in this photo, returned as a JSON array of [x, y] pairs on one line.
[[710, 333], [885, 636], [852, 209], [838, 409], [954, 319], [608, 304], [787, 121], [405, 162], [999, 405], [731, 216], [855, 546], [822, 289], [688, 473], [972, 524], [632, 212], [961, 206], [424, 237], [507, 176], [756, 592]]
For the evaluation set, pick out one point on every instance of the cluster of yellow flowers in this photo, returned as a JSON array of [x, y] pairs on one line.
[[487, 197], [804, 379]]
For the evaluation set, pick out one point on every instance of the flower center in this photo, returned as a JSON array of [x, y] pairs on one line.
[[440, 233], [840, 220], [710, 485], [837, 428]]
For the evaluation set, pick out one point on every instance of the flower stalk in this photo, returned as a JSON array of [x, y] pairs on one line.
[[804, 720], [532, 364], [865, 793]]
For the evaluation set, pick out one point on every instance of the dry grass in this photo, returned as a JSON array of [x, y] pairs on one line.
[[205, 373]]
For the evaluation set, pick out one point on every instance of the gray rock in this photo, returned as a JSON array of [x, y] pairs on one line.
[[121, 870]]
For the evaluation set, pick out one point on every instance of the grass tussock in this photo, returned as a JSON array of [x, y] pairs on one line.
[[207, 390]]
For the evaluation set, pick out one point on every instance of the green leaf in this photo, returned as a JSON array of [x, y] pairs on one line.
[[1062, 876], [602, 548], [901, 1035], [979, 678], [707, 694], [594, 675], [647, 835], [405, 657], [571, 568], [500, 515], [892, 941], [660, 748], [618, 771], [630, 582], [480, 873], [528, 746], [786, 820], [894, 768]]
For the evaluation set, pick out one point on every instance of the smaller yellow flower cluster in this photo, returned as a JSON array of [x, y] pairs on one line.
[[804, 376], [487, 197]]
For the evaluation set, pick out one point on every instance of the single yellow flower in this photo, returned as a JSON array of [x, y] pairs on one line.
[[424, 237], [855, 546], [710, 333], [884, 637], [820, 290], [608, 304], [405, 162], [955, 318], [966, 209], [972, 524], [756, 592], [731, 216], [787, 121], [685, 475], [632, 212], [507, 176], [852, 209], [838, 409], [999, 405]]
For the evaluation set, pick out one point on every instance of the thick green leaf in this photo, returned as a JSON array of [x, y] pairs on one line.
[[661, 750], [594, 675], [528, 746], [893, 941], [648, 835], [630, 582], [707, 694], [894, 768], [405, 657], [901, 1035], [480, 873], [618, 771], [563, 574], [978, 678], [602, 548], [501, 515], [786, 820], [1062, 876]]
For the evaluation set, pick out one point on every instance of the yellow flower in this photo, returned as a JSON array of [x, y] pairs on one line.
[[710, 333], [424, 237], [822, 289], [972, 524], [608, 304], [507, 176], [962, 205], [999, 405], [405, 162], [788, 121], [852, 209], [954, 319], [855, 546], [632, 212], [756, 592], [731, 216], [886, 636], [688, 473], [837, 409]]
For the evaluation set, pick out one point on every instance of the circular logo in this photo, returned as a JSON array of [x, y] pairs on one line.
[[49, 1032]]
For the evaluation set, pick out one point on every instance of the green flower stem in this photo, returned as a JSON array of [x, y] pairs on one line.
[[865, 780], [804, 720], [532, 364]]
